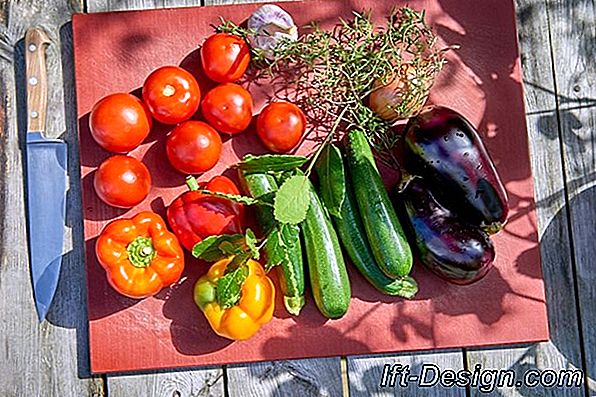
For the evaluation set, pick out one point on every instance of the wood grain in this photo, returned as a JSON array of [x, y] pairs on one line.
[[365, 374], [121, 5], [197, 383], [295, 378], [563, 351], [36, 41], [573, 37], [51, 358], [217, 2]]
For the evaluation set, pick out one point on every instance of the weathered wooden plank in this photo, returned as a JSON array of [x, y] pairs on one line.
[[296, 378], [216, 2], [121, 5], [207, 382], [51, 358], [366, 373], [199, 383], [573, 35], [563, 351]]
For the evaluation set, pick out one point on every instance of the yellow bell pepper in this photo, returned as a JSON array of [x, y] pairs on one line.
[[243, 315]]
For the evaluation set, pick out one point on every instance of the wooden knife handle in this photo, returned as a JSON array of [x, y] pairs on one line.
[[36, 41]]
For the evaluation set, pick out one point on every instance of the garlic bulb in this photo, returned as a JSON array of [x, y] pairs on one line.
[[271, 24]]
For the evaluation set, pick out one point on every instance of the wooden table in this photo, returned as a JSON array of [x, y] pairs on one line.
[[558, 47]]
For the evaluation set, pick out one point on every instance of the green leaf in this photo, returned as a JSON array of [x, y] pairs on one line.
[[281, 177], [214, 248], [251, 243], [267, 198], [271, 162], [229, 287], [332, 177], [290, 234], [233, 197], [237, 262], [278, 246], [228, 248], [291, 201]]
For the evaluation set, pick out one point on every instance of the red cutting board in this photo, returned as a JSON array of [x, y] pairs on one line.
[[116, 51]]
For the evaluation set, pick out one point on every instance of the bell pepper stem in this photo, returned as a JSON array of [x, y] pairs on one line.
[[204, 293], [141, 252]]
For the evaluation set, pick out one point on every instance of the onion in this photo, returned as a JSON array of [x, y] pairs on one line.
[[403, 97]]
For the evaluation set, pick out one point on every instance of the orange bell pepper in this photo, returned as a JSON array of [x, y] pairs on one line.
[[243, 315], [140, 255]]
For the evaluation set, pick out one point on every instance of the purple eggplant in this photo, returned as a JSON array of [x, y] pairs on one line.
[[453, 249], [445, 149]]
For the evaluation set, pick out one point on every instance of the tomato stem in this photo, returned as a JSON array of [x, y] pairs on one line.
[[168, 90], [141, 252], [192, 183]]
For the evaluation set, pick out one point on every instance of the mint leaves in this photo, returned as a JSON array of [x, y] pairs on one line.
[[214, 248], [243, 247], [229, 287], [280, 241], [232, 197], [271, 162], [291, 201], [251, 243]]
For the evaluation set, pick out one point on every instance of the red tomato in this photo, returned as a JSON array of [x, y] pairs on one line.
[[122, 181], [193, 147], [228, 108], [222, 184], [194, 216], [119, 122], [172, 94], [281, 126], [224, 57]]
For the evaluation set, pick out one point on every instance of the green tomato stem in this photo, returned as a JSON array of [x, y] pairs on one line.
[[192, 183]]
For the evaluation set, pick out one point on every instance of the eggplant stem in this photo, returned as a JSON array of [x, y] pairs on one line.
[[406, 178], [494, 227]]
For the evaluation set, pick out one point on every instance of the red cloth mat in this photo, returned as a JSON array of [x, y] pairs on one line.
[[116, 51]]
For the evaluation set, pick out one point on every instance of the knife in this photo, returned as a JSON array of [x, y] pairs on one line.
[[46, 179]]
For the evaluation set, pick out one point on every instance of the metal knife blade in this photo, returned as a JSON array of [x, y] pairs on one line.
[[46, 179]]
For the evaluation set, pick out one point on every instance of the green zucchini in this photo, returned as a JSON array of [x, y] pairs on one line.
[[328, 275], [383, 230], [291, 270], [353, 238]]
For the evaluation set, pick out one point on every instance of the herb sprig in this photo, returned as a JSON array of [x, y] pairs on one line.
[[332, 72]]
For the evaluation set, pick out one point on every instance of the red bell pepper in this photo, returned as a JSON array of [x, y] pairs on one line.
[[194, 216]]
